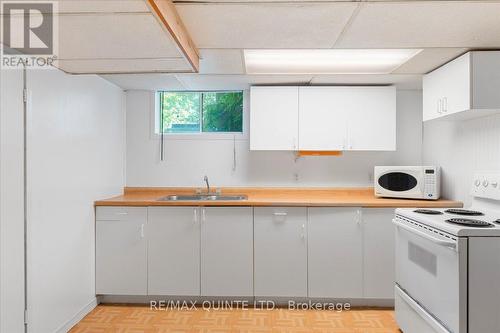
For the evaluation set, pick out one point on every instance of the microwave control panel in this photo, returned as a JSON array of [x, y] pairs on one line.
[[431, 183]]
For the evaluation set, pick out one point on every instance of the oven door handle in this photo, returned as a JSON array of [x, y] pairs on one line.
[[442, 242]]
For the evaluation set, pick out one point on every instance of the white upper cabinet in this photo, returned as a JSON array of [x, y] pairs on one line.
[[347, 118], [323, 118], [274, 113], [466, 87], [372, 119]]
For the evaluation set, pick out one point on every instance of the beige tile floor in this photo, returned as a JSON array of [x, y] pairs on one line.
[[138, 319]]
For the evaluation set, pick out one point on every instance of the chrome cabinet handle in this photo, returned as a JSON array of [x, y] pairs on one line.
[[122, 213], [279, 217], [439, 106], [449, 244], [203, 214], [195, 215], [142, 230], [445, 104]]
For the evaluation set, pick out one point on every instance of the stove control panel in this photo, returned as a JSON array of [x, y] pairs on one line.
[[486, 185]]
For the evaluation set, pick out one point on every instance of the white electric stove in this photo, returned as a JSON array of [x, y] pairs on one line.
[[448, 264]]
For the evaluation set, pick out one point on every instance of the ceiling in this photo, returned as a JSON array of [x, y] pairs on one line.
[[114, 36], [221, 29]]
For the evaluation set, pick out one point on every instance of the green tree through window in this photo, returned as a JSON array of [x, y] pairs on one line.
[[194, 112]]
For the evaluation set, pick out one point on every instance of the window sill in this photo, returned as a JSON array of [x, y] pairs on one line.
[[201, 136]]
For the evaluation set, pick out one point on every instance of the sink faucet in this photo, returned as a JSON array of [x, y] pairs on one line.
[[208, 185]]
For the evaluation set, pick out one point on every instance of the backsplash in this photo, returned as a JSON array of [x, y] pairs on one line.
[[462, 148], [187, 161]]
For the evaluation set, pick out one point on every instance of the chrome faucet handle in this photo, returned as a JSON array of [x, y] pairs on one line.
[[198, 191], [218, 191]]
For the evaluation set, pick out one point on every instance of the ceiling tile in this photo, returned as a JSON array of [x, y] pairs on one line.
[[420, 24], [220, 61], [100, 6], [429, 59], [145, 81], [105, 66], [265, 25], [98, 36]]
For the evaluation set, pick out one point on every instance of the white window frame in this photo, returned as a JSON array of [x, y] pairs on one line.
[[155, 130]]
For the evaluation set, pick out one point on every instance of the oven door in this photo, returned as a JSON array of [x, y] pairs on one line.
[[431, 267], [404, 182]]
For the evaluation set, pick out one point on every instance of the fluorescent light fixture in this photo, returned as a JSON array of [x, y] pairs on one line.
[[326, 61]]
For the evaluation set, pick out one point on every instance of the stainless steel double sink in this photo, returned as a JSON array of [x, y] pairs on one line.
[[203, 197]]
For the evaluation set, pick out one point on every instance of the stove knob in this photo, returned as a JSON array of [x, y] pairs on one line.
[[477, 182], [485, 183], [494, 184]]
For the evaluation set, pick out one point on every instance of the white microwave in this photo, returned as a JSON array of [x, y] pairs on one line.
[[412, 182]]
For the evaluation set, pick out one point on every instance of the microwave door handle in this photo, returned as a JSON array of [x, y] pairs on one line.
[[449, 244]]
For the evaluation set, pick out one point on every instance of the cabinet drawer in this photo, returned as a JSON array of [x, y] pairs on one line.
[[109, 213]]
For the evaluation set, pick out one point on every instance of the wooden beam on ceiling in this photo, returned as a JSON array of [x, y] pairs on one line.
[[165, 12]]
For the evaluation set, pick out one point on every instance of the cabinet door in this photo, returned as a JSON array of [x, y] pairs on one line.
[[379, 243], [447, 89], [273, 118], [173, 251], [323, 118], [372, 118], [227, 251], [280, 247], [456, 85], [432, 94], [335, 253], [121, 253]]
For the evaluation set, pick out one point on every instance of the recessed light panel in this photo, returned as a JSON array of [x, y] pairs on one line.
[[326, 61]]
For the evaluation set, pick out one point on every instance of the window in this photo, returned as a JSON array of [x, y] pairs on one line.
[[201, 112]]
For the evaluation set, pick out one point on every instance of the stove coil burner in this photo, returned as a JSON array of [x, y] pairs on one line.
[[470, 222], [428, 211], [464, 212]]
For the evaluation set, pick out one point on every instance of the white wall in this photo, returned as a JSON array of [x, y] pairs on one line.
[[186, 161], [11, 202], [75, 156], [462, 148]]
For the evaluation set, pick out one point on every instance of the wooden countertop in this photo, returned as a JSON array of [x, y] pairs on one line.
[[323, 197]]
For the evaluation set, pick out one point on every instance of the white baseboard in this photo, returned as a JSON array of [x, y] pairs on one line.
[[77, 317]]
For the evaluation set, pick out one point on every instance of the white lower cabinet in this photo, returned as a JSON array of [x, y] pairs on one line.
[[121, 252], [227, 251], [335, 264], [316, 252], [280, 252], [173, 251], [351, 253], [378, 248]]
